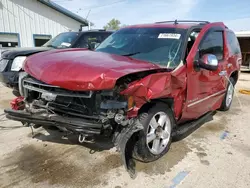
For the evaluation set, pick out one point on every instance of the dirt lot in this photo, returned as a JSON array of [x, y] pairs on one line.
[[215, 155]]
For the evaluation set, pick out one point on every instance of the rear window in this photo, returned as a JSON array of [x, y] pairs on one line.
[[233, 43]]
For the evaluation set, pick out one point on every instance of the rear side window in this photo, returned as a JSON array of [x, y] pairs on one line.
[[212, 44], [88, 38], [233, 43]]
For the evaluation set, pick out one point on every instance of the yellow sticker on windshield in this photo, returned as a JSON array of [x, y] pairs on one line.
[[169, 36]]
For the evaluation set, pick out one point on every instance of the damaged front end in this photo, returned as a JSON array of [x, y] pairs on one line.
[[85, 113]]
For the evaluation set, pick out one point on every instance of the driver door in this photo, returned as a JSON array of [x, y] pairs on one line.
[[205, 88]]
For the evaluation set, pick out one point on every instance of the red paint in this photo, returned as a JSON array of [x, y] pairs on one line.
[[78, 69], [205, 83], [159, 85], [192, 91]]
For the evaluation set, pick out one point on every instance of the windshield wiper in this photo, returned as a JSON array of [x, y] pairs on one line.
[[131, 54]]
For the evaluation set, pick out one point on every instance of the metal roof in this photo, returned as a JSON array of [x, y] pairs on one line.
[[242, 34], [64, 11], [162, 25]]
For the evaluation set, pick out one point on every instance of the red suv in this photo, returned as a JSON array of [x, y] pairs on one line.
[[138, 87]]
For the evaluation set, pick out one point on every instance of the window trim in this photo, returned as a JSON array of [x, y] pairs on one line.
[[17, 34], [189, 31]]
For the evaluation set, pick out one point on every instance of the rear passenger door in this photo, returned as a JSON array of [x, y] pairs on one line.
[[206, 88]]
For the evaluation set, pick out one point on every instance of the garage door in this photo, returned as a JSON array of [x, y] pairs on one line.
[[40, 40], [9, 40]]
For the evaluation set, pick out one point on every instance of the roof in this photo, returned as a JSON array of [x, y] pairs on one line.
[[182, 24], [242, 34], [159, 25], [64, 11]]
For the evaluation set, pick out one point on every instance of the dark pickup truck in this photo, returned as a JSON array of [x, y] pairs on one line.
[[11, 60]]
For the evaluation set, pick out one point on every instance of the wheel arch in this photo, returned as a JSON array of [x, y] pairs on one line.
[[235, 76], [167, 101]]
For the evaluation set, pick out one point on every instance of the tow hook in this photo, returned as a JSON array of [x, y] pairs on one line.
[[85, 139]]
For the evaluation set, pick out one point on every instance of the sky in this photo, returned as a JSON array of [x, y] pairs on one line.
[[234, 13]]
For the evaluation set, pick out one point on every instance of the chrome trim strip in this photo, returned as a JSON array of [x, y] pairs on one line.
[[40, 84], [208, 97], [57, 93]]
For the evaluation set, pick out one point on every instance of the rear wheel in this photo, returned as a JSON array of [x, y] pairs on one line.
[[155, 139], [228, 98]]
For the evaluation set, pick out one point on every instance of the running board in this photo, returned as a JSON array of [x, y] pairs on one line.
[[182, 131]]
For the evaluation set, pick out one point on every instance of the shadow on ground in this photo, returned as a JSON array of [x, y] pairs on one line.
[[191, 130], [102, 143], [56, 136]]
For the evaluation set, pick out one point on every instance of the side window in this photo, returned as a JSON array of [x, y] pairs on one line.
[[233, 43], [88, 38], [212, 44]]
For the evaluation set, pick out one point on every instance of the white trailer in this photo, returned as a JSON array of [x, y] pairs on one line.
[[244, 40]]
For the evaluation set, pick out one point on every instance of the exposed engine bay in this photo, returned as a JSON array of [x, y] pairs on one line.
[[85, 114]]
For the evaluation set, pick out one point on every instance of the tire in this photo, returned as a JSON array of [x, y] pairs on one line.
[[16, 93], [144, 149], [227, 101]]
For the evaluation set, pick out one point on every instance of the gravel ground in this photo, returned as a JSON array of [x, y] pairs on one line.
[[215, 155]]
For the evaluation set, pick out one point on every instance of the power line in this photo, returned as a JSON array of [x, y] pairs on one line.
[[80, 9]]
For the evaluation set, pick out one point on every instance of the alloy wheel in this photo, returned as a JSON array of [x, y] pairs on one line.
[[158, 133]]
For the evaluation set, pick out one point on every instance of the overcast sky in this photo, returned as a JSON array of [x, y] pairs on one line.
[[236, 14]]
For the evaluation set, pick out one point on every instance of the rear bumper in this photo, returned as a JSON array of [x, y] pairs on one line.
[[78, 125], [10, 79]]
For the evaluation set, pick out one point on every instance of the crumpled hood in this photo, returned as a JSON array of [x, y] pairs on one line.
[[81, 69]]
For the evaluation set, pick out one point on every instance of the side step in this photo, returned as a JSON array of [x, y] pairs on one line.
[[182, 131]]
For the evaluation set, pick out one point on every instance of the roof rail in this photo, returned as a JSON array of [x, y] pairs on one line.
[[185, 21]]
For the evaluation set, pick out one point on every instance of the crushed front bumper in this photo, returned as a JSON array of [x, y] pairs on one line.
[[77, 125]]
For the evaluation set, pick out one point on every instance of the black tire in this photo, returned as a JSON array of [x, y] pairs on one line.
[[16, 93], [224, 106], [141, 150]]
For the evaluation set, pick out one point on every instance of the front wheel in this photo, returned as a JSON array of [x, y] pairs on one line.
[[228, 98], [155, 139]]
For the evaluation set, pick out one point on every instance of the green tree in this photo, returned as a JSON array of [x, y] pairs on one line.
[[113, 24]]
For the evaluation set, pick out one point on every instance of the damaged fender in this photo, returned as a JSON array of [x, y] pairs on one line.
[[122, 144], [158, 86]]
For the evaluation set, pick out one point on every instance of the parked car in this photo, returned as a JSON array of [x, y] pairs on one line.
[[11, 60], [139, 86]]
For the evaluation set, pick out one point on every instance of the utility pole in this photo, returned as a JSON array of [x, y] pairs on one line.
[[89, 24]]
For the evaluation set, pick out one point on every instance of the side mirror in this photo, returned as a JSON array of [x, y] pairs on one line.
[[208, 62]]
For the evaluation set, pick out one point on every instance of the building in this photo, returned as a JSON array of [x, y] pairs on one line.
[[244, 41], [27, 23]]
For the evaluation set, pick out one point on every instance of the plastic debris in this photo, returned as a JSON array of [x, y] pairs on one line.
[[179, 178], [223, 135], [244, 91]]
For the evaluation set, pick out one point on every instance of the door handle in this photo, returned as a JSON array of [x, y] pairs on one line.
[[223, 73], [229, 65]]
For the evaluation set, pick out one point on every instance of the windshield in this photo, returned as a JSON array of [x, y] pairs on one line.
[[162, 46], [63, 40]]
